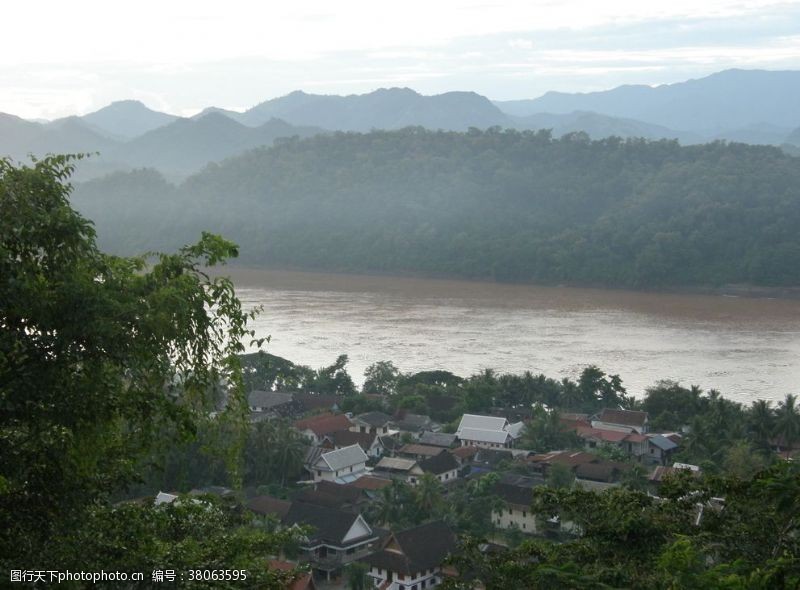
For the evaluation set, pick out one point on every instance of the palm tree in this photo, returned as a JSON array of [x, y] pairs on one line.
[[761, 424], [787, 422], [291, 449], [391, 503], [428, 495]]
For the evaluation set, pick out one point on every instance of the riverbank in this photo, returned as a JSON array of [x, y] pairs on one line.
[[732, 290]]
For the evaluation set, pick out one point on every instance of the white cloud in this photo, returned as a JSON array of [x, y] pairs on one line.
[[60, 57]]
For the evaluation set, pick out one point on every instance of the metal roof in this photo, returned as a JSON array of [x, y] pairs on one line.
[[663, 443], [396, 464], [344, 457], [482, 422], [481, 435]]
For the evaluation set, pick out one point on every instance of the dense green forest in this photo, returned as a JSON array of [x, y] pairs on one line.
[[496, 205]]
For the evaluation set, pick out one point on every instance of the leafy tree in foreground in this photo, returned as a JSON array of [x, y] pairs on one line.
[[99, 357]]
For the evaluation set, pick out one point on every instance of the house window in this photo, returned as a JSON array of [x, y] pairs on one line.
[[652, 451], [524, 514], [319, 473], [523, 525]]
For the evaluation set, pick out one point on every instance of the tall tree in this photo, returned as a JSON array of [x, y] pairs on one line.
[[787, 422], [99, 356], [381, 377]]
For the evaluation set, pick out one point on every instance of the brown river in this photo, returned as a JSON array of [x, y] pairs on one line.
[[745, 347]]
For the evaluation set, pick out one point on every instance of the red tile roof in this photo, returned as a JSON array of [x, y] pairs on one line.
[[464, 452], [613, 436], [368, 482], [301, 581], [635, 438], [624, 417], [324, 424]]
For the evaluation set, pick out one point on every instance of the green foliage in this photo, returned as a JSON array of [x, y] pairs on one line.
[[269, 372], [382, 378], [545, 432], [104, 361], [497, 205], [357, 578], [627, 539], [560, 477], [274, 453], [187, 534]]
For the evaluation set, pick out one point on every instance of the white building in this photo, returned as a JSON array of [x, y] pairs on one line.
[[490, 432], [341, 465]]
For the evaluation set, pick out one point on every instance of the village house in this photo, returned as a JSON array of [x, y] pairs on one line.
[[437, 439], [487, 431], [390, 444], [442, 466], [625, 420], [317, 427], [592, 472], [337, 537], [268, 505], [315, 402], [412, 559], [516, 492], [340, 465], [419, 452], [370, 485], [272, 404], [464, 456], [372, 422], [414, 424], [369, 443], [334, 495], [660, 449], [407, 470]]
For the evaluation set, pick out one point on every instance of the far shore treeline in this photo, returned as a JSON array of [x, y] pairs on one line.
[[493, 205]]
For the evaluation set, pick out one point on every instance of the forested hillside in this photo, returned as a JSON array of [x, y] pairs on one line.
[[502, 205]]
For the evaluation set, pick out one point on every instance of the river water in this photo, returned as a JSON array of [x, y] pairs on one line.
[[747, 348]]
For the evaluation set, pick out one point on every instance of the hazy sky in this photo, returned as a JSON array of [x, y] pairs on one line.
[[59, 58]]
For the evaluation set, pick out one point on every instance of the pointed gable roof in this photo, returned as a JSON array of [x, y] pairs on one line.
[[328, 524], [268, 505], [441, 463], [623, 417], [324, 424], [345, 438], [437, 439], [373, 419], [482, 422], [415, 550], [342, 458]]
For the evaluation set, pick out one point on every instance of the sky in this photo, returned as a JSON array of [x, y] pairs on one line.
[[61, 58]]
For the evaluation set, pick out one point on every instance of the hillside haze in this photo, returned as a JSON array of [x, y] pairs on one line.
[[510, 206], [748, 106], [127, 119]]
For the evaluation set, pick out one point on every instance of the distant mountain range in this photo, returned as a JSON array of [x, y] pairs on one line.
[[749, 106], [738, 104], [177, 148]]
